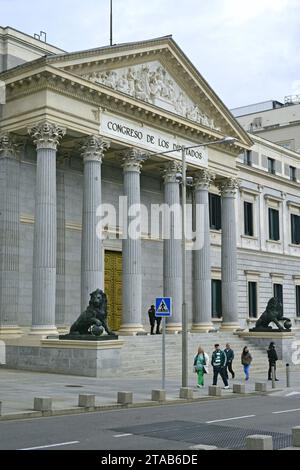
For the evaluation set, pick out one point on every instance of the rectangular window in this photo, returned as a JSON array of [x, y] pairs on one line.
[[215, 211], [248, 218], [293, 173], [277, 292], [271, 165], [273, 224], [295, 229], [216, 298], [252, 299], [298, 301], [248, 157]]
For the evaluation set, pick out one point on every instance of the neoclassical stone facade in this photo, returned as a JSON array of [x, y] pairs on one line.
[[75, 135]]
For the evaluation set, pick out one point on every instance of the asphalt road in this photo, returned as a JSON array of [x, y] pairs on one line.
[[223, 422]]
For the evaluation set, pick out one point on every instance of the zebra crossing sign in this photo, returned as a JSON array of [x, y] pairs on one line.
[[163, 307]]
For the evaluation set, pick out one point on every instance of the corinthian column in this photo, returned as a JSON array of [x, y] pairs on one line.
[[9, 235], [46, 136], [228, 188], [91, 246], [173, 246], [201, 257], [131, 245]]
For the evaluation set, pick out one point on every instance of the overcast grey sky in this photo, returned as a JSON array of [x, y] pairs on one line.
[[248, 51]]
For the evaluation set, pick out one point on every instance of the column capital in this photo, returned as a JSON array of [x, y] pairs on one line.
[[228, 186], [9, 148], [46, 135], [133, 160], [171, 170], [93, 147], [203, 179]]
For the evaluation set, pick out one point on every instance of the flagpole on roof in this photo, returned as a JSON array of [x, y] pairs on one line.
[[111, 23]]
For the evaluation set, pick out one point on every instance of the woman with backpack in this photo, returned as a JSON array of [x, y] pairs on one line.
[[201, 361]]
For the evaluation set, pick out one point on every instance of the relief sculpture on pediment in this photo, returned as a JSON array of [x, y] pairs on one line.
[[153, 84]]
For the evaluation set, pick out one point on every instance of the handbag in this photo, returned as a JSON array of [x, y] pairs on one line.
[[205, 369]]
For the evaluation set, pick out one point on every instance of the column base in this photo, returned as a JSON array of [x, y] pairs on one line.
[[229, 326], [10, 332], [43, 330], [202, 327], [173, 328], [131, 329]]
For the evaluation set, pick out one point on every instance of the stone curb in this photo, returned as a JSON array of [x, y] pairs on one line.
[[116, 406]]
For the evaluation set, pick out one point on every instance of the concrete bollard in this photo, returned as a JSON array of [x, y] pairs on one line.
[[86, 400], [239, 388], [296, 436], [214, 391], [125, 398], [260, 387], [158, 395], [42, 404], [259, 442], [186, 392]]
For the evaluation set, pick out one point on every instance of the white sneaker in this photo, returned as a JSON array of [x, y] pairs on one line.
[[226, 387]]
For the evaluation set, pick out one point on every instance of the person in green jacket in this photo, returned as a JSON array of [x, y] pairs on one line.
[[200, 366]]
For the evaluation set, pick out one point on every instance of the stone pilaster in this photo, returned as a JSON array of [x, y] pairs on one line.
[[201, 257], [131, 246], [91, 245], [173, 247], [228, 188], [46, 136], [9, 235]]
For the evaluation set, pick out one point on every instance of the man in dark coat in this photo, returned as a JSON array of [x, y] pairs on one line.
[[151, 313], [229, 356], [272, 357]]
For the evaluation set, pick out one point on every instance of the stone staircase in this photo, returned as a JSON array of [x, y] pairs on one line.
[[142, 355]]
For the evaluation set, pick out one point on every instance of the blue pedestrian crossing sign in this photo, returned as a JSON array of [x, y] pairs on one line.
[[163, 307]]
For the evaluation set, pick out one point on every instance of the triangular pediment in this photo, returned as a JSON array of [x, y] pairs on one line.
[[152, 83], [155, 72]]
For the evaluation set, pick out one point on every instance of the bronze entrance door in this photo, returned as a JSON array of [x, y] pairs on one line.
[[113, 288]]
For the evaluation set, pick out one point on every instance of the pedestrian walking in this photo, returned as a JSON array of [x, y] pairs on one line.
[[273, 358], [246, 360], [218, 361], [151, 313], [201, 361], [229, 358]]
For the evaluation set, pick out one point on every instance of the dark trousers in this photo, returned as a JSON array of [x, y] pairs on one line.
[[158, 322], [229, 368], [271, 364], [220, 370], [152, 324]]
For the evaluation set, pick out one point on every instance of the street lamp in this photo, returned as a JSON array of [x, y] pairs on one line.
[[224, 140]]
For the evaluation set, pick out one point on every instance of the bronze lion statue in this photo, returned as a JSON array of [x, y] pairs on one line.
[[94, 319], [273, 314]]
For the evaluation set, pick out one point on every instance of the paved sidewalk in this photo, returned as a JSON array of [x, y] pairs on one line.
[[18, 389]]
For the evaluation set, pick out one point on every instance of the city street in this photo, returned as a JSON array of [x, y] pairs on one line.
[[222, 423]]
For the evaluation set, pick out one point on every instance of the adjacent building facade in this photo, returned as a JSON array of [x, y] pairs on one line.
[[80, 130]]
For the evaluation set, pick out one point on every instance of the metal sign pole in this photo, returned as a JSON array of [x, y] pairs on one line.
[[163, 381]]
